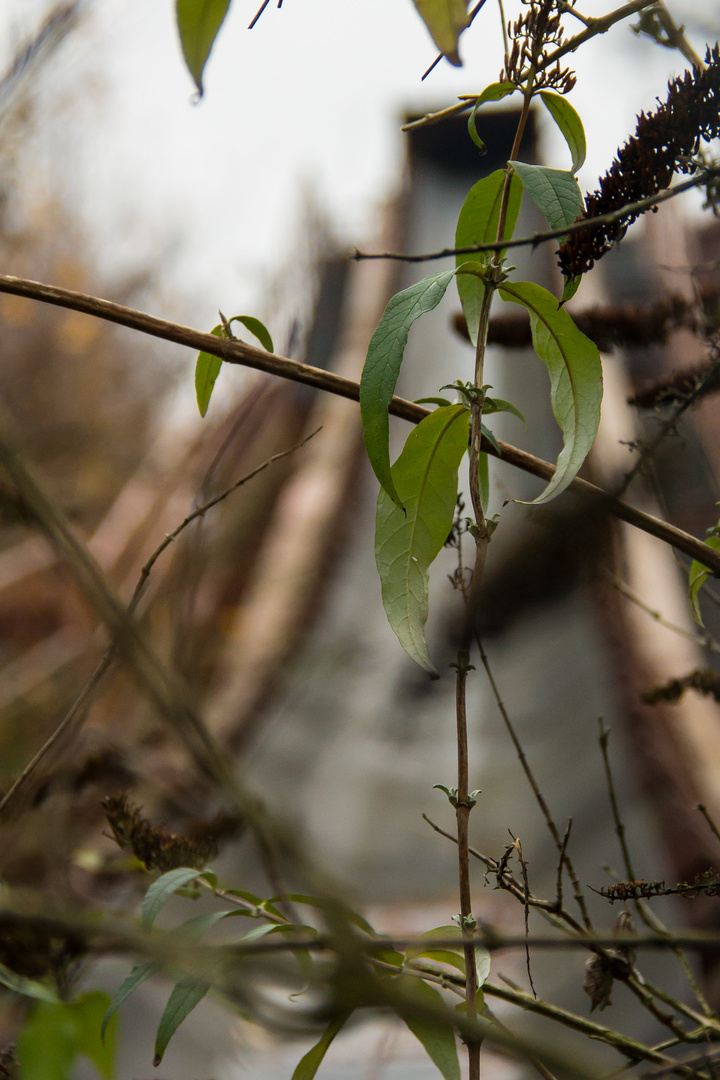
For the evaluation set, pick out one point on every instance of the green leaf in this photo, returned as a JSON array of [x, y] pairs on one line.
[[198, 24], [478, 224], [482, 963], [187, 993], [436, 1035], [161, 890], [573, 363], [406, 543], [139, 974], [207, 369], [310, 1063], [494, 92], [493, 405], [572, 284], [570, 125], [556, 193], [446, 20], [89, 1010], [28, 987], [697, 577], [382, 367], [56, 1034], [432, 401], [256, 328], [325, 905]]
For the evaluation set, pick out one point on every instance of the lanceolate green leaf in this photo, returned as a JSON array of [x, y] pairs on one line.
[[554, 192], [425, 476], [139, 974], [697, 577], [161, 890], [207, 369], [198, 24], [494, 92], [20, 984], [55, 1035], [310, 1063], [478, 224], [570, 125], [573, 363], [187, 993], [446, 20], [436, 1035], [257, 329], [382, 367]]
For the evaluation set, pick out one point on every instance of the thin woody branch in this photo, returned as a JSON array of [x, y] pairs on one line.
[[631, 210], [237, 352]]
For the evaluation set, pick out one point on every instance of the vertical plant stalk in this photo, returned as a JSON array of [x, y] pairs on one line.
[[482, 536], [462, 816]]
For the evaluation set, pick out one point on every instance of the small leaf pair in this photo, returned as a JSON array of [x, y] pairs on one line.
[[207, 367]]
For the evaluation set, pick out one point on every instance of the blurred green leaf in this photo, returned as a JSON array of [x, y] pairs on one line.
[[446, 20], [198, 22], [436, 1035], [161, 890], [54, 1035], [310, 1063], [697, 577]]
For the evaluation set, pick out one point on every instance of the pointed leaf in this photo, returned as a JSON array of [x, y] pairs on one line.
[[478, 224], [161, 890], [425, 476], [310, 1063], [572, 284], [482, 963], [139, 974], [207, 369], [256, 328], [89, 1010], [498, 404], [187, 993], [436, 1035], [324, 905], [20, 984], [697, 577], [494, 92], [198, 24], [573, 363], [446, 20], [382, 367], [570, 125], [557, 194]]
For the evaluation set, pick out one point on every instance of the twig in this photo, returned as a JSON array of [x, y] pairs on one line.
[[706, 814], [592, 29], [704, 640], [107, 659], [526, 910], [539, 798], [550, 234], [668, 425], [238, 352]]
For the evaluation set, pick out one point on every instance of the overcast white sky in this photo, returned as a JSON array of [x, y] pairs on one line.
[[307, 101]]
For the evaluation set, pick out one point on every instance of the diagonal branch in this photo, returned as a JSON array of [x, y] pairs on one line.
[[238, 352]]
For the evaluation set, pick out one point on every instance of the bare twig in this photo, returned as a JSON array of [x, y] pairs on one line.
[[706, 641], [238, 352], [86, 693], [550, 234]]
